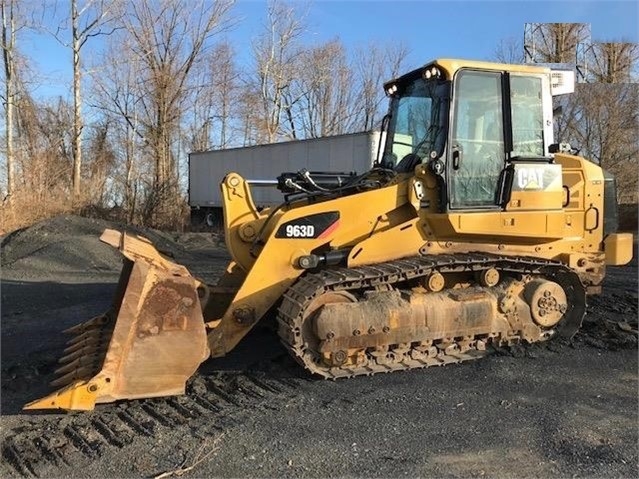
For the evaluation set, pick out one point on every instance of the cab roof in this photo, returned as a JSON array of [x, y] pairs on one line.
[[450, 66]]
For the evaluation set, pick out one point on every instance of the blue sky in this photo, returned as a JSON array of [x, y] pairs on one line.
[[466, 29], [430, 29]]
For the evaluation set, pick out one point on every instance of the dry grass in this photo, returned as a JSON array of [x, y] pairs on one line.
[[205, 451], [25, 208]]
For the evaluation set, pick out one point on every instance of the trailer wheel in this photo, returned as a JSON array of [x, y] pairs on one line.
[[214, 218]]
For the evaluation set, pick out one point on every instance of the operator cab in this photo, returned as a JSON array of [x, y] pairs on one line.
[[472, 123]]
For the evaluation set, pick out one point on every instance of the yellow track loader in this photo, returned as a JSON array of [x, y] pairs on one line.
[[473, 230]]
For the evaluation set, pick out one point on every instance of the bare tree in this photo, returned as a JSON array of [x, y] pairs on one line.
[[100, 164], [87, 19], [117, 91], [8, 10], [168, 38], [602, 120], [509, 50], [326, 83], [250, 118], [196, 132], [612, 62], [213, 101], [372, 66], [276, 52], [42, 130], [337, 93], [555, 42], [225, 78]]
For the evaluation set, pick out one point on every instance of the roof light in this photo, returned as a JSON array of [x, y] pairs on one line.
[[432, 72]]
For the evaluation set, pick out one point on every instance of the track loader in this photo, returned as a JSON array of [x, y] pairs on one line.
[[473, 230]]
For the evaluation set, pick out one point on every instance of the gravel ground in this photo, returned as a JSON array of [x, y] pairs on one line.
[[560, 409]]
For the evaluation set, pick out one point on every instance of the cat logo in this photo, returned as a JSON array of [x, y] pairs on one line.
[[530, 178]]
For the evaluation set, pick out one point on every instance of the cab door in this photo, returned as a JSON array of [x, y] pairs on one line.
[[477, 152], [499, 180]]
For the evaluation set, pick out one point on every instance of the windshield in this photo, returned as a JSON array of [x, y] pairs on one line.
[[418, 121]]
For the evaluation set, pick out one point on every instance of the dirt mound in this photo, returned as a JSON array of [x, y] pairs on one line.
[[611, 321], [71, 244]]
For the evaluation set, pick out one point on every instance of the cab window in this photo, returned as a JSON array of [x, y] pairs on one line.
[[477, 146], [527, 116]]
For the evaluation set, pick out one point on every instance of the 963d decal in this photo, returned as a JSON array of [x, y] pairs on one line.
[[309, 227]]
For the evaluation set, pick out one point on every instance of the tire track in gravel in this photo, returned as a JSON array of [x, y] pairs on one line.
[[213, 402]]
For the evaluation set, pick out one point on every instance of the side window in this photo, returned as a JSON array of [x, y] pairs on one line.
[[527, 116], [413, 131], [477, 146]]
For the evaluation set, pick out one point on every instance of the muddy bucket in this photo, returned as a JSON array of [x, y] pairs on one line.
[[147, 345]]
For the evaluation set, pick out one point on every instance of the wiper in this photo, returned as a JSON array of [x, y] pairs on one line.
[[429, 137]]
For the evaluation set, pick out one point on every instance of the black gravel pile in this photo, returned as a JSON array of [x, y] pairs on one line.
[[611, 322], [71, 244]]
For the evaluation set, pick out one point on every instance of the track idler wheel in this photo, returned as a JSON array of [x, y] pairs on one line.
[[547, 300]]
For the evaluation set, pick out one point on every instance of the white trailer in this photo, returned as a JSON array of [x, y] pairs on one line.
[[354, 152]]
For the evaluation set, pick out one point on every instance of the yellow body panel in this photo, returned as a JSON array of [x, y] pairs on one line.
[[382, 247], [400, 220], [388, 223], [272, 269], [618, 249], [524, 224]]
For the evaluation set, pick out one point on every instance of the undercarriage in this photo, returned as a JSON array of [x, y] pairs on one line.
[[425, 311]]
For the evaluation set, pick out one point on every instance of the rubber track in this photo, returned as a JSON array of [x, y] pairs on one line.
[[299, 296], [75, 440]]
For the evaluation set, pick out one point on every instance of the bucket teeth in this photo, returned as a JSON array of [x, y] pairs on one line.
[[83, 372], [84, 355], [87, 360], [82, 345], [95, 323], [88, 350], [75, 396], [88, 335]]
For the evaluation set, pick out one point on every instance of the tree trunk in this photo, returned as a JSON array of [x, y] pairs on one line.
[[77, 113], [8, 40]]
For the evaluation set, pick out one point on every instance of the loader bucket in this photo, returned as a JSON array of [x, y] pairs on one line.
[[147, 345]]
